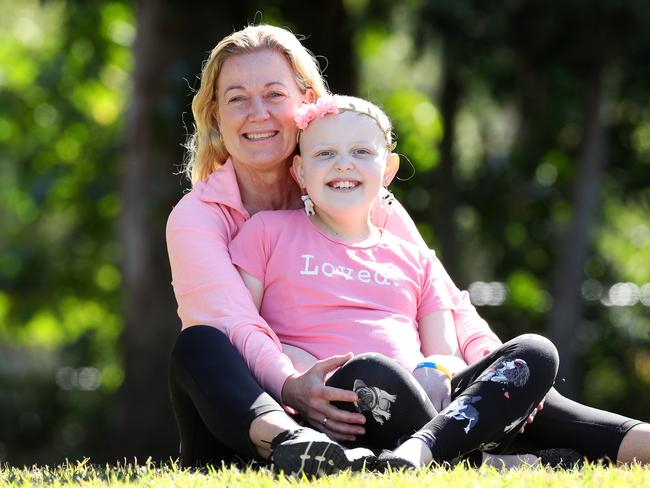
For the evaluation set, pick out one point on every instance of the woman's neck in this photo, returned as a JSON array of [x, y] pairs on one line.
[[272, 189]]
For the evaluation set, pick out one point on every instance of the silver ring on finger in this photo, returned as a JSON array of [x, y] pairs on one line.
[[324, 420]]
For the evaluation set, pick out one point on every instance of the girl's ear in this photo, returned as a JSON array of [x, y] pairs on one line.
[[392, 165], [310, 96], [296, 171]]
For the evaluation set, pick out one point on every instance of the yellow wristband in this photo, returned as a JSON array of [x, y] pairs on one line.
[[432, 365]]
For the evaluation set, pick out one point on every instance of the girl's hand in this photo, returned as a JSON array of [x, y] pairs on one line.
[[307, 393], [437, 386], [531, 417]]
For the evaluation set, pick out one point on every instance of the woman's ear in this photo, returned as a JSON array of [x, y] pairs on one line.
[[214, 111], [392, 165], [296, 171]]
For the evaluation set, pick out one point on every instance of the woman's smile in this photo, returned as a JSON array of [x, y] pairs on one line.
[[260, 136]]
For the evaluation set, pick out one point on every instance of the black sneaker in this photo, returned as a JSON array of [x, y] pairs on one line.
[[312, 453], [560, 458], [388, 460]]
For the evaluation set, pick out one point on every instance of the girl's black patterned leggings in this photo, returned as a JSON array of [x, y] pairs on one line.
[[491, 399]]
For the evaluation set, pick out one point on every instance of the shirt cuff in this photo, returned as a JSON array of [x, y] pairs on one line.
[[276, 376], [479, 348]]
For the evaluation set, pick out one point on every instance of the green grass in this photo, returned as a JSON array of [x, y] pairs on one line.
[[85, 474]]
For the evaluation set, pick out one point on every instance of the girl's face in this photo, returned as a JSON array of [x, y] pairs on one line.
[[343, 163], [257, 98]]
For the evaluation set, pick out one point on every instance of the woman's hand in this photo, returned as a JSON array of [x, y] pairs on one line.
[[307, 393]]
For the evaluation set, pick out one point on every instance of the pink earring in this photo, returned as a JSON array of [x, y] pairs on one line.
[[309, 205]]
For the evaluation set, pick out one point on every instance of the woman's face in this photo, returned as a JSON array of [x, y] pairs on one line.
[[257, 98]]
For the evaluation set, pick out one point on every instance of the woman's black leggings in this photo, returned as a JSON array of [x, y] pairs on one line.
[[215, 399]]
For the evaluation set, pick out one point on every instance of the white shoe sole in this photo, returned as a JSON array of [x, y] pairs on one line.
[[312, 458]]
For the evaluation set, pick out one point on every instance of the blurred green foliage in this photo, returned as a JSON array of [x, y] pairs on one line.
[[64, 77], [518, 70]]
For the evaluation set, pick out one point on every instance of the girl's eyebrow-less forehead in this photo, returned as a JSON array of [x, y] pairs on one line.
[[330, 144]]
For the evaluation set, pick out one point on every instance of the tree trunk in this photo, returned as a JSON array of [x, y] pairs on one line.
[[445, 184], [567, 310], [329, 35], [172, 40]]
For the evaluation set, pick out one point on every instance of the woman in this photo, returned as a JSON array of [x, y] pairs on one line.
[[245, 137], [251, 86]]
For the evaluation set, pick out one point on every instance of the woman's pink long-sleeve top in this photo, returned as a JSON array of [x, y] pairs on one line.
[[209, 290]]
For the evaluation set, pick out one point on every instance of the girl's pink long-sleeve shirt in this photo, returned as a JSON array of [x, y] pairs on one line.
[[209, 290]]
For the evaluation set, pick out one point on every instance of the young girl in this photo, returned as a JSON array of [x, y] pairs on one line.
[[343, 202], [329, 282]]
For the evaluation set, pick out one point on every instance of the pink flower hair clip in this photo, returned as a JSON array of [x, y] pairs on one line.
[[310, 111]]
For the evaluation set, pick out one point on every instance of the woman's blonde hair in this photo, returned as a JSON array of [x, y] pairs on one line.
[[205, 149]]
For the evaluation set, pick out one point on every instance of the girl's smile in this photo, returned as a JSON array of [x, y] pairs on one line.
[[345, 185]]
